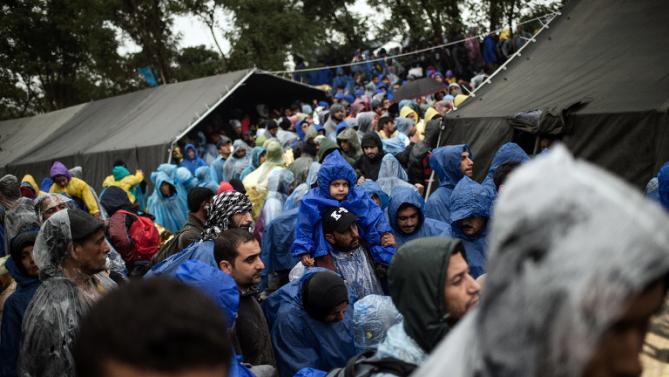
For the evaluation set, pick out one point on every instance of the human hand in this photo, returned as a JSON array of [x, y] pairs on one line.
[[420, 188], [361, 180], [387, 240], [307, 260]]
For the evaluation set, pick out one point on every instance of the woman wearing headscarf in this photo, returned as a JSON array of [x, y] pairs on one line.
[[256, 182]]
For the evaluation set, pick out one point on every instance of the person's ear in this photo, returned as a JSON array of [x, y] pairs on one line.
[[74, 251], [330, 238], [225, 266]]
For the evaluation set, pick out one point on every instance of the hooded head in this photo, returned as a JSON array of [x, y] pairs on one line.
[[222, 207], [190, 147], [239, 145], [169, 169], [445, 161], [17, 244], [31, 184], [274, 152], [115, 198], [417, 277], [49, 204], [322, 293], [164, 178], [120, 172], [663, 185], [401, 198], [365, 121], [58, 168], [408, 112], [216, 284], [430, 114], [335, 167], [404, 125], [203, 174], [469, 199], [10, 191], [373, 189], [280, 180], [509, 152], [561, 270], [372, 139]]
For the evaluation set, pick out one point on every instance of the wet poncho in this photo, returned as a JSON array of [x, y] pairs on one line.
[[170, 212], [350, 136], [51, 319], [202, 251], [445, 162], [372, 188], [234, 165], [391, 175], [203, 175], [21, 218], [402, 196], [221, 288], [278, 187], [560, 271], [256, 154], [471, 199], [372, 317], [256, 182], [372, 224], [663, 185], [300, 341], [507, 153], [194, 163]]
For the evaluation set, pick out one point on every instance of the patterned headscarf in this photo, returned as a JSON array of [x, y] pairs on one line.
[[222, 207]]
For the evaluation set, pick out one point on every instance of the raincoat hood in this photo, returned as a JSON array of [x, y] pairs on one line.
[[404, 125], [663, 185], [350, 136], [406, 111], [190, 147], [274, 153], [417, 277], [326, 147], [169, 169], [372, 138], [563, 267], [164, 178], [185, 178], [445, 161], [391, 168], [256, 153], [23, 280], [405, 196], [509, 152], [468, 199], [335, 167], [240, 144], [120, 172], [32, 182], [213, 282], [365, 121], [373, 188], [58, 168], [115, 198], [52, 242], [279, 181], [430, 113]]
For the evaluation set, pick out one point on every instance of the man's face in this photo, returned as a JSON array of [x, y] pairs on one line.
[[241, 220], [466, 164], [339, 189], [386, 104], [461, 291], [50, 207], [27, 261], [240, 153], [472, 226], [166, 189], [224, 150], [338, 115], [273, 131], [337, 314], [91, 254], [191, 154], [345, 241], [61, 180], [389, 127], [247, 267], [617, 353], [345, 147], [371, 151], [408, 219]]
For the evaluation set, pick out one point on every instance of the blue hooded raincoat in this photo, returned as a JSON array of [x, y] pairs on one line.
[[663, 185], [301, 341], [372, 224], [445, 161], [204, 178], [469, 199], [12, 317], [426, 227], [509, 152], [192, 164], [170, 212], [199, 251], [221, 288]]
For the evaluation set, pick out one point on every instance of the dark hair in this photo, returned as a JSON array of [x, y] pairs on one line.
[[227, 242], [503, 171], [382, 122], [197, 196], [156, 324], [20, 242], [270, 124]]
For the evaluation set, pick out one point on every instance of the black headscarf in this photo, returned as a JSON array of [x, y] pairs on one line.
[[322, 293]]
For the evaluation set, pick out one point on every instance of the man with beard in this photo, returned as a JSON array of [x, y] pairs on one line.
[[450, 163], [369, 163], [407, 217], [337, 115], [237, 253]]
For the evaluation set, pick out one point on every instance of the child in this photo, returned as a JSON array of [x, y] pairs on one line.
[[336, 188]]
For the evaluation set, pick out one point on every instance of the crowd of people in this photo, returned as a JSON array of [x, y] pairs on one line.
[[297, 241]]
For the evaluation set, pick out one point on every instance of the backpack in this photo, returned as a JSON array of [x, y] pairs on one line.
[[364, 365], [144, 236]]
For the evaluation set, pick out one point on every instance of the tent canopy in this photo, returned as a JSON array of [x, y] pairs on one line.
[[137, 127], [609, 55]]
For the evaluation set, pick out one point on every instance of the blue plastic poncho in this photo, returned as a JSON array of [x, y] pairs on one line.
[[663, 185], [204, 179], [201, 251], [217, 172], [426, 227], [469, 199], [300, 341], [445, 162], [170, 212], [373, 188], [192, 163], [509, 152], [392, 174], [295, 197], [278, 187], [256, 154], [222, 289], [372, 224], [372, 317]]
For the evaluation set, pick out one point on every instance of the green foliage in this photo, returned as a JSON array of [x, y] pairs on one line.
[[196, 62]]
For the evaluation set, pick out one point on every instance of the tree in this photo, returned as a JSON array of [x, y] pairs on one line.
[[196, 62]]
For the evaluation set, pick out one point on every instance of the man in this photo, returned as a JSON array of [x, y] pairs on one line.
[[574, 278], [70, 253], [311, 323], [169, 329], [346, 255], [387, 128], [450, 163], [337, 115], [431, 287], [75, 188], [228, 210], [237, 253], [369, 163], [406, 217], [470, 209], [224, 150], [199, 200]]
